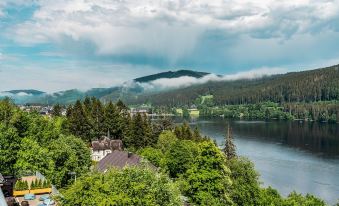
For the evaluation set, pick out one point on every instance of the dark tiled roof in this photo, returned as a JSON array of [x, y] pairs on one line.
[[119, 159], [106, 144]]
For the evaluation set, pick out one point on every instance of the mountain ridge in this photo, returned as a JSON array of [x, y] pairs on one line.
[[170, 75], [310, 85]]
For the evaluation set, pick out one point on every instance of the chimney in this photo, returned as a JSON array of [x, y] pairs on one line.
[[130, 154]]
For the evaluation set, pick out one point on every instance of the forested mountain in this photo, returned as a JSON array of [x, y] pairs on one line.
[[26, 91], [306, 86], [171, 74], [131, 88]]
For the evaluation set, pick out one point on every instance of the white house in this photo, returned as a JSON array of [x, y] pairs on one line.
[[104, 146]]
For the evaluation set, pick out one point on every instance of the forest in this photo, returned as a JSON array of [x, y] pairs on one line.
[[192, 169], [305, 86], [317, 111]]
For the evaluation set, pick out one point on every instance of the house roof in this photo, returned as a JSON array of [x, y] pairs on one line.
[[119, 159], [107, 144]]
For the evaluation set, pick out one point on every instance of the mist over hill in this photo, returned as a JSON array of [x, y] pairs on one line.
[[182, 87]]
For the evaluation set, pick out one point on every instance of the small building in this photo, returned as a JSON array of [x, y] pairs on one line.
[[120, 159], [104, 146]]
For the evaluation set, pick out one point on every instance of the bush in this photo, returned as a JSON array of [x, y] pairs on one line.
[[129, 186], [21, 185]]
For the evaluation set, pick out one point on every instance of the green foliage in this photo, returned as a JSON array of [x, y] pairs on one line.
[[32, 157], [7, 110], [129, 186], [155, 156], [141, 133], [245, 188], [295, 199], [208, 180], [180, 157], [21, 185], [56, 111], [229, 149], [165, 141], [9, 147], [113, 121], [78, 122], [69, 154], [306, 86], [270, 197]]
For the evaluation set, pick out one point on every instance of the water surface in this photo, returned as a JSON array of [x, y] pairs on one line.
[[300, 156]]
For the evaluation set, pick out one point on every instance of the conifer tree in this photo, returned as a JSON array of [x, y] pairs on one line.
[[121, 106], [79, 124], [97, 118], [33, 185], [149, 139], [113, 121], [196, 134], [229, 145], [137, 136], [87, 105], [56, 112]]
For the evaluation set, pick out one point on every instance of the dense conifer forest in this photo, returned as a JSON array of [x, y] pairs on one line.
[[306, 86]]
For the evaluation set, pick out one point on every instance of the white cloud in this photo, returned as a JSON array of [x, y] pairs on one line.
[[170, 28], [60, 77], [184, 81]]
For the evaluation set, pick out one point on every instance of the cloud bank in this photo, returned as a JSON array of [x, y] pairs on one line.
[[55, 45], [170, 29], [184, 81]]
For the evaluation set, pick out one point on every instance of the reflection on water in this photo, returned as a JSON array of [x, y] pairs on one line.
[[301, 156], [317, 138]]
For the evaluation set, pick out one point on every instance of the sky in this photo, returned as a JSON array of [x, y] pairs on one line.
[[56, 45]]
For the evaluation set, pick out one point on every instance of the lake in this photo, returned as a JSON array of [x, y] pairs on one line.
[[300, 156]]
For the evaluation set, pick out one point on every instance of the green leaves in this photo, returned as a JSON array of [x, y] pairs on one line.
[[9, 146], [69, 154], [32, 157], [129, 186]]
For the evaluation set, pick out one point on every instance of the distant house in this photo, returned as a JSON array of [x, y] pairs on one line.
[[120, 159], [104, 146], [142, 109]]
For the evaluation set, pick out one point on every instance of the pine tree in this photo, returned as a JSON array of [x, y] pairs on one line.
[[97, 118], [33, 185], [121, 106], [149, 139], [79, 124], [25, 185], [39, 185], [56, 112], [229, 145], [87, 105], [113, 121], [196, 134]]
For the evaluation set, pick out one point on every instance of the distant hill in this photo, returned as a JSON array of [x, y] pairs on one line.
[[132, 88], [27, 91], [170, 75], [305, 86]]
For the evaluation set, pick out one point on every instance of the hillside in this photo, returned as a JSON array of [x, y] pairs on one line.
[[306, 86], [26, 92], [170, 75], [128, 89]]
